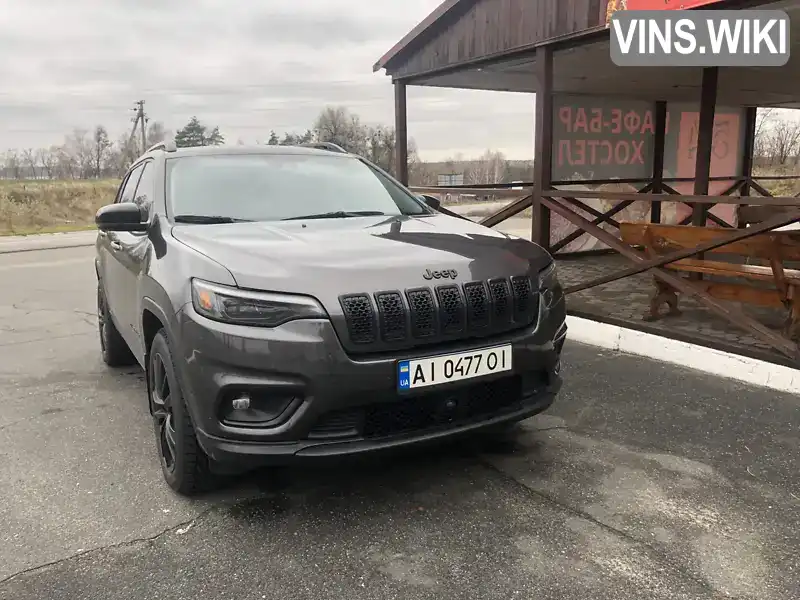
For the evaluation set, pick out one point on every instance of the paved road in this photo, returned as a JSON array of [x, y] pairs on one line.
[[645, 481]]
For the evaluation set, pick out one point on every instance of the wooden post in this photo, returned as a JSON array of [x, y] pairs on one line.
[[659, 142], [750, 116], [400, 132], [705, 140], [543, 146]]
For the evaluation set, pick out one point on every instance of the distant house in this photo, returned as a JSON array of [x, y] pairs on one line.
[[450, 179]]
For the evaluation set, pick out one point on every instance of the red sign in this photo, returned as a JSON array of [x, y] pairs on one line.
[[613, 6], [665, 4]]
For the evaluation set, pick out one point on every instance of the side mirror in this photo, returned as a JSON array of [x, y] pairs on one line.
[[434, 203], [125, 216]]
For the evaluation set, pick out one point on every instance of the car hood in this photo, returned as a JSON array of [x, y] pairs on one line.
[[328, 257]]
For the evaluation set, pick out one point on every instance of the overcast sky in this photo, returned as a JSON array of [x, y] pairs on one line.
[[246, 65]]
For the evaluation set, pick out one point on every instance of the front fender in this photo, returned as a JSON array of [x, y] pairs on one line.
[[155, 299]]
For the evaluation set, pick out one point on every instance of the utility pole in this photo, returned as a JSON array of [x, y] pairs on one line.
[[140, 119], [140, 116]]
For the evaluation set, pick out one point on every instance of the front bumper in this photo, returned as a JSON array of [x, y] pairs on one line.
[[326, 403]]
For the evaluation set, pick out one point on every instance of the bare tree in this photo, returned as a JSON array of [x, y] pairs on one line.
[[47, 159], [29, 163], [419, 173], [101, 150], [764, 118], [784, 139], [79, 148], [491, 167], [13, 164], [339, 126], [379, 147], [156, 133], [86, 154]]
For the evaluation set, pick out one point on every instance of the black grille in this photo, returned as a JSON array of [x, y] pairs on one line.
[[392, 315], [360, 318], [478, 305], [523, 298], [451, 307], [423, 313], [338, 424], [448, 311], [502, 308], [472, 403]]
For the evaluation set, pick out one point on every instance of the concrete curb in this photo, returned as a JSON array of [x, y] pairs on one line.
[[41, 248], [692, 356], [47, 241]]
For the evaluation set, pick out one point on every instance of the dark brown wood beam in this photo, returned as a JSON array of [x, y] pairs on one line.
[[617, 196], [543, 146], [659, 143], [705, 141], [508, 211], [400, 132], [750, 117]]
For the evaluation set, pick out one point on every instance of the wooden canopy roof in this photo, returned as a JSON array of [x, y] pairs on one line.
[[490, 45]]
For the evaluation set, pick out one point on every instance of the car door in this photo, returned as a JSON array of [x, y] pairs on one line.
[[133, 254], [104, 244], [114, 269]]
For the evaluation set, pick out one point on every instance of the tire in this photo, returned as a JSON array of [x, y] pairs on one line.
[[184, 464], [114, 349]]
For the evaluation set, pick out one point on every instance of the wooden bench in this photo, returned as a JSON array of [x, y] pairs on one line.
[[752, 215], [773, 248]]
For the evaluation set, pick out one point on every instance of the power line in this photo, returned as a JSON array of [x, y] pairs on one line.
[[220, 89], [285, 104]]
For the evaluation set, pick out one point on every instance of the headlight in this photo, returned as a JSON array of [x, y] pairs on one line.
[[549, 285], [548, 277], [260, 309]]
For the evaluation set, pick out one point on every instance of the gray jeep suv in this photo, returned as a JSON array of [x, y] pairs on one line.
[[297, 302]]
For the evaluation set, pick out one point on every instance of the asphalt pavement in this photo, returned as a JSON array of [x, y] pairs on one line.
[[643, 481]]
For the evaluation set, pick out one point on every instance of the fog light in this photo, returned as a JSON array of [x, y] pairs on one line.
[[241, 403], [252, 408], [557, 367]]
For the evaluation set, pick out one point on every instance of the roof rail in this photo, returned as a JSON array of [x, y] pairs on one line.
[[330, 146], [166, 146]]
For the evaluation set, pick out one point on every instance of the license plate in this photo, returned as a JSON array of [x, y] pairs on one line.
[[425, 372]]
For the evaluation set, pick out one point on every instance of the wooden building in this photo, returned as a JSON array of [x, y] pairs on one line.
[[674, 145]]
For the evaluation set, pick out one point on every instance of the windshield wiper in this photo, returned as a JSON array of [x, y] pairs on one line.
[[206, 219], [339, 214]]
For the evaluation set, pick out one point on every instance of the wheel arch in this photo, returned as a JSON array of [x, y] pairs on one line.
[[153, 319]]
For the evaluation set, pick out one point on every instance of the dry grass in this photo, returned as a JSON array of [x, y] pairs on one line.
[[49, 206], [786, 187]]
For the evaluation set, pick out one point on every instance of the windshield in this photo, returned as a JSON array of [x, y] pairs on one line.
[[272, 187]]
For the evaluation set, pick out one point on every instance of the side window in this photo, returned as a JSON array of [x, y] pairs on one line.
[[144, 191], [130, 185], [121, 189]]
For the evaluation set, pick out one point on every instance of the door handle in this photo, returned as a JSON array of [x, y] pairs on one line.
[[116, 246]]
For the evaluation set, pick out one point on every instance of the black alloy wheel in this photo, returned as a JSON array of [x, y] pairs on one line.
[[163, 417], [184, 464]]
